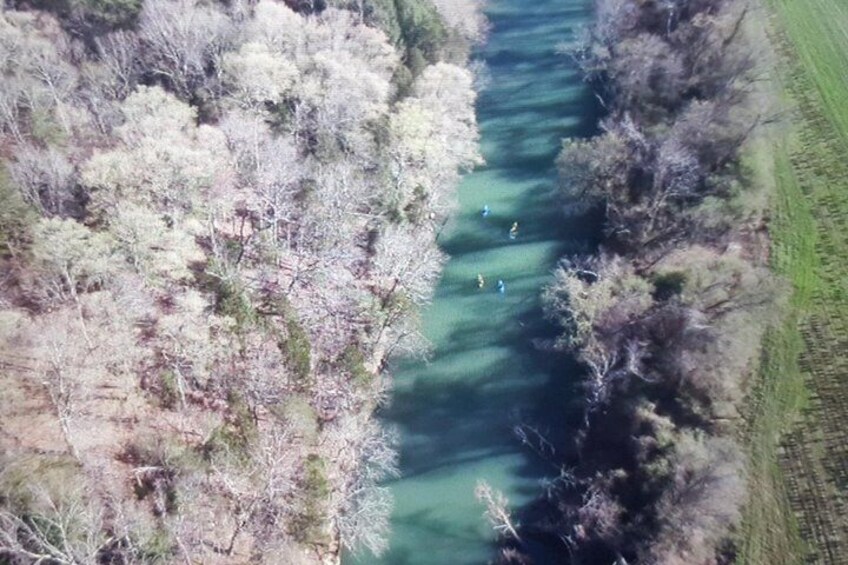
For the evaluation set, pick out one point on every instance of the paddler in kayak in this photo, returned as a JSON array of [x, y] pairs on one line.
[[513, 231]]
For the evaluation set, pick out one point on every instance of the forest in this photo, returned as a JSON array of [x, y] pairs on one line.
[[217, 221], [667, 316]]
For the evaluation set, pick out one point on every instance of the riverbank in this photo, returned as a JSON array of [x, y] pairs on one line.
[[797, 447], [668, 317]]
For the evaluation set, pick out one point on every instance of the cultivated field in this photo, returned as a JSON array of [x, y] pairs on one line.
[[806, 367]]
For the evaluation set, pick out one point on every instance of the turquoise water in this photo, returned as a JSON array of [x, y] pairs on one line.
[[456, 411]]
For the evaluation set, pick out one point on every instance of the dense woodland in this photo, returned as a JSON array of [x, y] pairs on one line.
[[217, 219], [667, 316]]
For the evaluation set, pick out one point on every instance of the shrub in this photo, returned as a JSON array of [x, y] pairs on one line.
[[46, 128], [233, 301], [234, 438], [422, 33], [93, 16], [415, 27], [158, 547], [299, 414], [16, 217], [352, 361], [296, 348], [54, 473], [294, 343], [169, 394], [667, 285], [309, 524], [109, 14], [159, 463], [46, 509]]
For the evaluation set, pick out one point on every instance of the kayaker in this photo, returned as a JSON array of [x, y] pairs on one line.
[[513, 231]]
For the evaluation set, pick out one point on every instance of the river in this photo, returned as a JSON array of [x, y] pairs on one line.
[[456, 411]]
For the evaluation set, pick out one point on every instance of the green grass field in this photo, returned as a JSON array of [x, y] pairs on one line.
[[818, 31], [799, 427], [770, 532]]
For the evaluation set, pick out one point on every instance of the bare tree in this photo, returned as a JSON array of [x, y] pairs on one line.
[[648, 72], [60, 387], [600, 512], [364, 523], [365, 457], [56, 77], [45, 178], [158, 252], [497, 510], [119, 52], [257, 76], [67, 531], [405, 272], [165, 162], [706, 495], [36, 77], [180, 38], [466, 16], [72, 258], [277, 25]]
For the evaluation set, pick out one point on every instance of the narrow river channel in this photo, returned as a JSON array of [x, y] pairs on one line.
[[456, 411]]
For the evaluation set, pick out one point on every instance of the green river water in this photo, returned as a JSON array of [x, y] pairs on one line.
[[456, 411]]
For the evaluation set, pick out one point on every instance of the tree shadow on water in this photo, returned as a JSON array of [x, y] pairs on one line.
[[458, 410]]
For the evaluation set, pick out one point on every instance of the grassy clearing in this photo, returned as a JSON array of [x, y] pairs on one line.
[[818, 30], [770, 533], [799, 430]]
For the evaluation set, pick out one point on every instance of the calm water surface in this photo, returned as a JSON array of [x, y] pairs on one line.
[[456, 412]]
